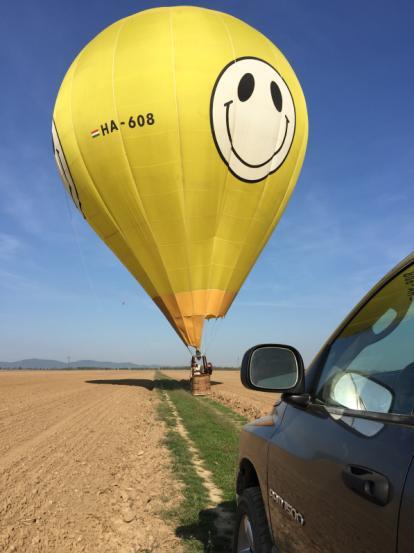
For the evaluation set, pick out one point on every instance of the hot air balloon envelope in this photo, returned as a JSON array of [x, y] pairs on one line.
[[179, 134]]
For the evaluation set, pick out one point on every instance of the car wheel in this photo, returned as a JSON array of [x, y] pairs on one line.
[[251, 534]]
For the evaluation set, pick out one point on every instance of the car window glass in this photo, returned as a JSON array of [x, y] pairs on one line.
[[370, 366]]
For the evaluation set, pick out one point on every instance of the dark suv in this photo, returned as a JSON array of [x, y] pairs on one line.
[[331, 469]]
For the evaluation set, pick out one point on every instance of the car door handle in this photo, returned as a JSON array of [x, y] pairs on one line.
[[372, 485]]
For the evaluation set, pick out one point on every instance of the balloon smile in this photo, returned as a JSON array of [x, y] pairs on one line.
[[227, 105]]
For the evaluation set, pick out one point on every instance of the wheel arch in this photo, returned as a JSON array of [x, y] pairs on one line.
[[247, 476]]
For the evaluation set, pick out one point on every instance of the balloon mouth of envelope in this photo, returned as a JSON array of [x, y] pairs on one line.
[[227, 106]]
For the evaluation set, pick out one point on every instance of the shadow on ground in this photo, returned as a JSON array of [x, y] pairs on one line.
[[148, 383], [214, 528]]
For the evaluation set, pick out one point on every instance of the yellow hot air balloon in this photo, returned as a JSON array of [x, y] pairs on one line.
[[179, 134]]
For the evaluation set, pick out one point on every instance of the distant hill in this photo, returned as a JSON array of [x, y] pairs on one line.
[[53, 364]]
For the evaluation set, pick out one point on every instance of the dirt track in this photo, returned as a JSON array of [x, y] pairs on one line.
[[82, 466], [227, 388]]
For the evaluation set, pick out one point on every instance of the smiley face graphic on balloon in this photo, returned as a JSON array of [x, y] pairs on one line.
[[252, 118]]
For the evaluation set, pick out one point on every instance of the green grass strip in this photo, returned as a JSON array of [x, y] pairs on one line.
[[195, 531], [231, 416], [214, 430]]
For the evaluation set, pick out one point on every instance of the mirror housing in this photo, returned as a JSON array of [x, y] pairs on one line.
[[273, 368]]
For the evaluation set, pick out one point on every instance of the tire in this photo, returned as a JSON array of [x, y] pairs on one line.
[[251, 532]]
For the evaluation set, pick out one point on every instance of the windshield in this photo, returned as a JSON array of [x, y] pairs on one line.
[[370, 366]]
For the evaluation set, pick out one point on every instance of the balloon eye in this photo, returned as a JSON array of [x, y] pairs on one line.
[[246, 87], [276, 95]]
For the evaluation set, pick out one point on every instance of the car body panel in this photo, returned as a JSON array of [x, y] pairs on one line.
[[307, 459], [254, 444]]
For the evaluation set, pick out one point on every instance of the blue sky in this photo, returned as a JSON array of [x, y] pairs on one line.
[[63, 293]]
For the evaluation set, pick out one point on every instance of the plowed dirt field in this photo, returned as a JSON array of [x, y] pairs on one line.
[[82, 464], [227, 388]]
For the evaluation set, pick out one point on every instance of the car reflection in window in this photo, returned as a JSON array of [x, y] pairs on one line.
[[366, 427], [359, 393]]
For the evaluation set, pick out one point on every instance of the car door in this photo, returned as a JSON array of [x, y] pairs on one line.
[[336, 468]]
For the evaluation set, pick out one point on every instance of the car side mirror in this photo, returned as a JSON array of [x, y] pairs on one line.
[[273, 368]]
